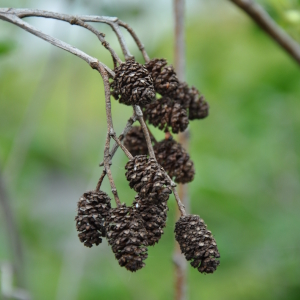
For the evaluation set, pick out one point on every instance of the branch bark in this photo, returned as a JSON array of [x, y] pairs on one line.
[[179, 54], [266, 23]]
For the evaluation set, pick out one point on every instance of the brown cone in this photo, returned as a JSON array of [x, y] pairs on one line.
[[148, 178], [127, 236], [175, 160], [133, 83], [164, 113], [189, 99], [197, 243], [154, 215], [164, 77], [92, 209], [135, 141]]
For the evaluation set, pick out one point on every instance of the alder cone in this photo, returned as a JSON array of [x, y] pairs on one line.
[[175, 160], [189, 99], [154, 215], [127, 236], [92, 209], [133, 84], [135, 141], [197, 243], [164, 113], [148, 178], [198, 109], [164, 77]]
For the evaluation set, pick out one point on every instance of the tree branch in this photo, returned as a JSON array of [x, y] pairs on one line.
[[262, 19], [93, 62]]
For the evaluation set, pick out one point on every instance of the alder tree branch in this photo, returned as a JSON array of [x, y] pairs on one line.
[[93, 62], [263, 19], [179, 64]]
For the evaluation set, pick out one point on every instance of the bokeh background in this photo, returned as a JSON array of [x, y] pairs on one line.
[[246, 153]]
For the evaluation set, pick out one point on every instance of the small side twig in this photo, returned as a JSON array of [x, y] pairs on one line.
[[125, 150], [110, 132], [136, 39], [139, 114], [121, 137], [262, 19], [100, 180]]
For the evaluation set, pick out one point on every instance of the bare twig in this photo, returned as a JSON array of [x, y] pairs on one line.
[[12, 232], [139, 114], [100, 180], [125, 150], [262, 19], [179, 54], [121, 137], [110, 132], [136, 39], [93, 62]]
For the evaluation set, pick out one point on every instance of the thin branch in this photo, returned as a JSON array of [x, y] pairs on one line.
[[125, 150], [100, 180], [139, 114], [179, 55], [12, 232], [121, 137], [110, 132], [93, 62], [262, 19], [136, 39]]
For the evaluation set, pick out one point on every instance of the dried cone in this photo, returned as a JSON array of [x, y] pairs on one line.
[[175, 160], [148, 178], [164, 113], [197, 243], [135, 141], [189, 99], [92, 209], [164, 77], [198, 109], [133, 83], [127, 236], [154, 215]]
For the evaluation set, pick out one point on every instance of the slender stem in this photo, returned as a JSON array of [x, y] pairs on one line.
[[125, 150], [136, 39], [12, 232], [262, 19], [110, 132], [179, 55], [139, 114], [121, 137], [100, 180], [93, 62]]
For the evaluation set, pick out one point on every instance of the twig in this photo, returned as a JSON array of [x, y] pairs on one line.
[[139, 114], [12, 232], [121, 137], [100, 180], [179, 54], [125, 150], [110, 132], [93, 62], [136, 39], [262, 19]]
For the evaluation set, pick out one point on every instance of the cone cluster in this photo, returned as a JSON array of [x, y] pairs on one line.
[[197, 243], [154, 215], [127, 236], [135, 141], [164, 113], [148, 178], [133, 84], [164, 77], [92, 209], [175, 160]]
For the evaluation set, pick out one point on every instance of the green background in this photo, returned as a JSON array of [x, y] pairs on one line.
[[246, 153]]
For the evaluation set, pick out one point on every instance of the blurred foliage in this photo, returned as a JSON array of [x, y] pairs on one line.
[[246, 153]]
